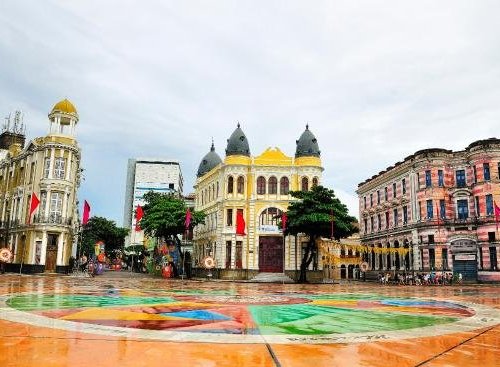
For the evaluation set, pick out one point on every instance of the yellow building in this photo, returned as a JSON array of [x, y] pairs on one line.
[[48, 167], [255, 188]]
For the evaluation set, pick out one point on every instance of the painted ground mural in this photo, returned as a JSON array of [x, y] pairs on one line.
[[244, 315]]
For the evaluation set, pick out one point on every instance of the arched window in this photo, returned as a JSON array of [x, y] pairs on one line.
[[217, 189], [284, 186], [315, 181], [273, 185], [270, 217], [240, 185], [261, 185], [230, 185], [305, 184]]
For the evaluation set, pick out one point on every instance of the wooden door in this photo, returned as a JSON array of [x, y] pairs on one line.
[[51, 253], [271, 254]]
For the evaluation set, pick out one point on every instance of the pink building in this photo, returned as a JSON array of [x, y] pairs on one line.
[[440, 205]]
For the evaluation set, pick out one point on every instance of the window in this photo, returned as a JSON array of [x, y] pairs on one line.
[[229, 217], [230, 185], [489, 204], [474, 170], [315, 181], [486, 171], [366, 225], [491, 236], [440, 178], [460, 176], [285, 187], [240, 185], [55, 209], [171, 186], [442, 209], [463, 209], [430, 211], [419, 210], [386, 220], [386, 195], [478, 213], [378, 196], [432, 256], [32, 172], [405, 214], [43, 202], [238, 255], [430, 239], [403, 185], [272, 185], [371, 200], [270, 217], [394, 190], [261, 185], [217, 190], [371, 223], [379, 220], [444, 258], [364, 201], [396, 220], [418, 181], [46, 168], [305, 184], [428, 180], [228, 254]]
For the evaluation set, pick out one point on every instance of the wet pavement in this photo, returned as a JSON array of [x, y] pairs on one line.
[[129, 320]]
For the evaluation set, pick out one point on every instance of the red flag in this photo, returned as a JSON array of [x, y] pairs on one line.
[[139, 213], [284, 219], [86, 212], [240, 223], [187, 222], [33, 205], [497, 213]]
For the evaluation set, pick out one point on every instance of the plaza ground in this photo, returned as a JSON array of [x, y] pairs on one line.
[[132, 320]]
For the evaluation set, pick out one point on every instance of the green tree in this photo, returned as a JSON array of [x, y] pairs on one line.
[[165, 215], [312, 215], [101, 229]]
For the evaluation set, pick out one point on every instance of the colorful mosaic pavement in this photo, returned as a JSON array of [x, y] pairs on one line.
[[201, 315]]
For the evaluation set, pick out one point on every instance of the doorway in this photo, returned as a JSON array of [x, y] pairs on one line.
[[271, 254], [51, 253]]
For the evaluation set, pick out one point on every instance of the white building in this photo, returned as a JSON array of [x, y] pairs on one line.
[[144, 175]]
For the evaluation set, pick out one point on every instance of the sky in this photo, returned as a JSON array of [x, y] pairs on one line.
[[375, 80]]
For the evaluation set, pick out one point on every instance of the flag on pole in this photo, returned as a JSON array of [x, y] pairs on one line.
[[33, 205], [284, 219], [139, 213], [86, 212], [240, 223], [188, 219], [497, 213]]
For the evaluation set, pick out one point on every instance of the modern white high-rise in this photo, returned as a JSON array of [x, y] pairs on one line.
[[144, 175]]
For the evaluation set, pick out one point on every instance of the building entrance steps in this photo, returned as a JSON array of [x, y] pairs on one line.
[[272, 278]]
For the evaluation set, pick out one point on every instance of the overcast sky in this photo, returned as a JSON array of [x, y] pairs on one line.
[[375, 80]]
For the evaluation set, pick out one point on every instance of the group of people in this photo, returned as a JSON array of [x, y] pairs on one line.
[[420, 278]]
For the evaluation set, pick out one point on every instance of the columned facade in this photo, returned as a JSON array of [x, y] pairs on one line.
[[439, 204]]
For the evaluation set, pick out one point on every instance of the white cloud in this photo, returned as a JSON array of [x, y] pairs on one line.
[[375, 80]]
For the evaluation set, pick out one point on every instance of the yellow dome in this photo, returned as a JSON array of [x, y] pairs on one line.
[[64, 106]]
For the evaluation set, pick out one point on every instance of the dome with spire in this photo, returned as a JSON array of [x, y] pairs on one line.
[[64, 106], [209, 161], [237, 144], [307, 145]]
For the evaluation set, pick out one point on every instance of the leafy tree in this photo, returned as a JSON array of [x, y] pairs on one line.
[[101, 229], [312, 215], [165, 215]]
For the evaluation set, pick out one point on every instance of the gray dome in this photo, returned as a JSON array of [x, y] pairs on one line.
[[307, 145], [237, 144], [209, 162]]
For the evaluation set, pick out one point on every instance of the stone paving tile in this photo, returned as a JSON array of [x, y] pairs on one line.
[[244, 324]]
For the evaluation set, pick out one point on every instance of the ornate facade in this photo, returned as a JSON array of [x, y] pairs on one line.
[[48, 167], [255, 188], [439, 204]]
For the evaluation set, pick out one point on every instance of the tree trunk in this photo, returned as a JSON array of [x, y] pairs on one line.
[[307, 259]]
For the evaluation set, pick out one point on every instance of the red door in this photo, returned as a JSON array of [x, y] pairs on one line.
[[271, 254]]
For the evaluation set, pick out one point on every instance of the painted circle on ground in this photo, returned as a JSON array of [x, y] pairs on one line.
[[282, 318]]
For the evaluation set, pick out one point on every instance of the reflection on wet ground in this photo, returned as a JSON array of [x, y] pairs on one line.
[[139, 321]]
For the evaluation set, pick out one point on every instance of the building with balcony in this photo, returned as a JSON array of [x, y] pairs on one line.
[[48, 167], [252, 191], [439, 204]]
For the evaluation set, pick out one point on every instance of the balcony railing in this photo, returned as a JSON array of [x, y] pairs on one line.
[[52, 219]]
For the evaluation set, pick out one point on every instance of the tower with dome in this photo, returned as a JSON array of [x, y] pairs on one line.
[[243, 197], [45, 170]]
